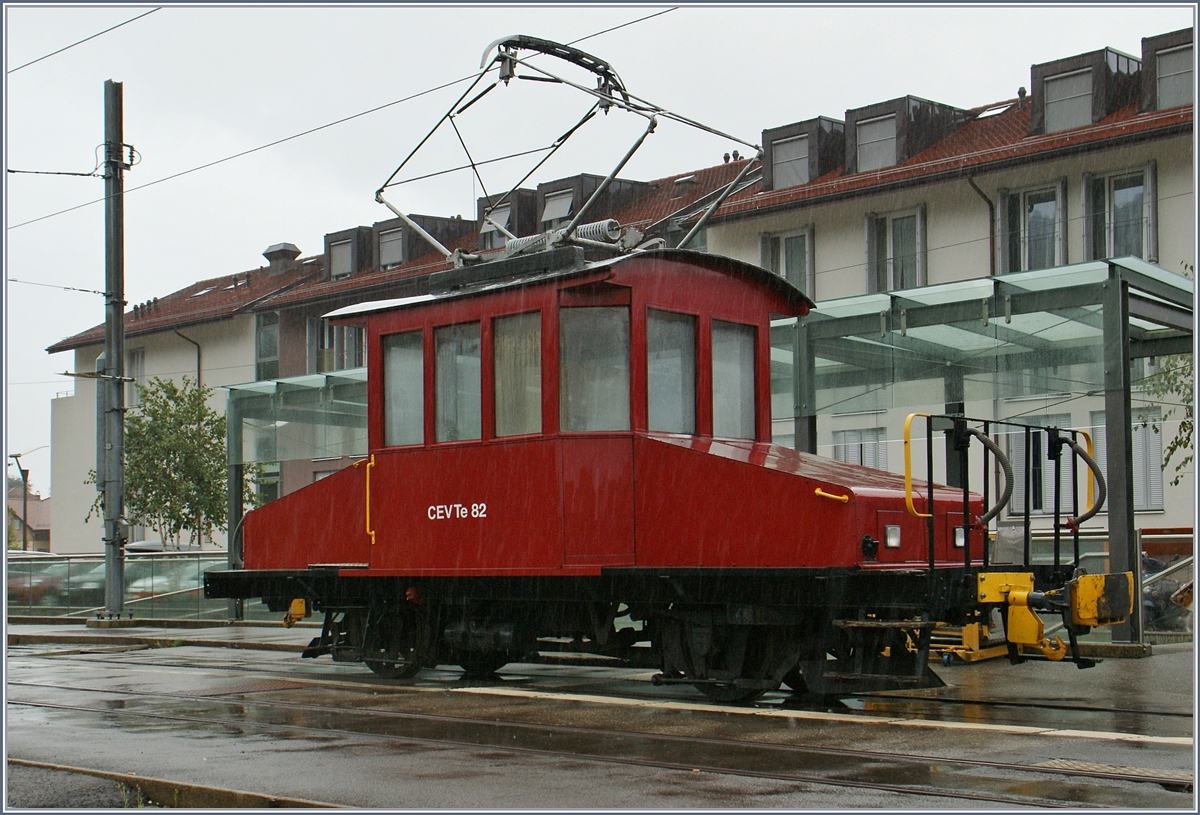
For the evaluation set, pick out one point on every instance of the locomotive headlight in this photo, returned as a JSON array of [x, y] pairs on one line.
[[891, 537], [960, 537]]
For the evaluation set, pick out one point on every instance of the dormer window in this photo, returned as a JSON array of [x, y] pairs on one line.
[[557, 211], [489, 236], [1069, 101], [341, 259], [876, 143], [391, 249], [1174, 77], [789, 162]]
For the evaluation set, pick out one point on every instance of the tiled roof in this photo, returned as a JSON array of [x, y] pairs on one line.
[[665, 198], [213, 299], [39, 510], [981, 144]]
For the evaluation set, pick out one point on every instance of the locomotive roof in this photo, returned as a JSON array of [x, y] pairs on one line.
[[562, 263]]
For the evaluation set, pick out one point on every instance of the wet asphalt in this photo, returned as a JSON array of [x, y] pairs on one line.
[[981, 711]]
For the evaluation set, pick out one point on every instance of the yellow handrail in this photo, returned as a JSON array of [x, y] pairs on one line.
[[908, 491], [1091, 481], [370, 464], [843, 498]]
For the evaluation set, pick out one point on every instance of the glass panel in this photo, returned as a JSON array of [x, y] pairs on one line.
[[783, 385], [904, 252], [594, 366], [518, 361], [876, 143], [671, 371], [403, 389], [339, 259], [1127, 228], [1040, 220], [498, 216], [1174, 70], [457, 382], [733, 380], [558, 206], [789, 162], [391, 248], [1068, 101], [1099, 233], [795, 259]]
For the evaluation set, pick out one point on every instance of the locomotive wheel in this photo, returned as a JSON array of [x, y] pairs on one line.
[[481, 664], [394, 645], [716, 657]]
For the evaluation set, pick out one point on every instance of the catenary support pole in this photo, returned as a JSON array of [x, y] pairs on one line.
[[114, 349]]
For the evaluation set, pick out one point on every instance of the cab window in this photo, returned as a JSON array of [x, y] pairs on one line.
[[594, 368], [671, 371], [518, 365], [733, 380], [457, 389], [403, 389]]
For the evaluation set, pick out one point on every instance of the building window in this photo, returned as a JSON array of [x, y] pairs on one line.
[[1035, 228], [341, 259], [1038, 469], [1174, 77], [791, 257], [789, 162], [135, 369], [1068, 101], [876, 143], [557, 211], [1117, 215], [1147, 457], [457, 384], [733, 380], [866, 447], [671, 371], [391, 249], [341, 347], [518, 365], [896, 250], [594, 368], [267, 346], [489, 236], [403, 389]]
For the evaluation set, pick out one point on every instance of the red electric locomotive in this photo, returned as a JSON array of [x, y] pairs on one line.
[[558, 445], [569, 449]]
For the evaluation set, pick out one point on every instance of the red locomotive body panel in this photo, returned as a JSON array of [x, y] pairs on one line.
[[574, 503]]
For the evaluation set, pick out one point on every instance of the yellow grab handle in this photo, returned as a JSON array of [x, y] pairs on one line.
[[843, 498], [908, 492], [370, 464]]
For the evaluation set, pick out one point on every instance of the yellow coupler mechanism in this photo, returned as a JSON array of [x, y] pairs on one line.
[[299, 610], [1087, 601]]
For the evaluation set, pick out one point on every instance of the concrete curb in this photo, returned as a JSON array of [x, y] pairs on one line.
[[177, 794], [152, 642]]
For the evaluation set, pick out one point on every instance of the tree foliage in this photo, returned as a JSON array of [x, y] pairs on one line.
[[175, 462], [1173, 386]]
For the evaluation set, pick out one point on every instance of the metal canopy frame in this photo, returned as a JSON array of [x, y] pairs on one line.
[[1098, 316]]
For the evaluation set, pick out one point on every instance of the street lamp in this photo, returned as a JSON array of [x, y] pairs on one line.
[[16, 457]]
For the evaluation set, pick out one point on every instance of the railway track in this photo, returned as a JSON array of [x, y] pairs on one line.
[[863, 704], [984, 781]]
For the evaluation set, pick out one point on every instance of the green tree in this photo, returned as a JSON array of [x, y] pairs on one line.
[[175, 464], [1173, 386]]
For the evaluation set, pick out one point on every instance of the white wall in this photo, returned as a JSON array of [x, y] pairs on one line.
[[227, 358]]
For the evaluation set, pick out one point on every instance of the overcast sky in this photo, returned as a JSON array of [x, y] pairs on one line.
[[205, 83]]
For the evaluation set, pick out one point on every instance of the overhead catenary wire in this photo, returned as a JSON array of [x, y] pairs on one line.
[[303, 133], [81, 42]]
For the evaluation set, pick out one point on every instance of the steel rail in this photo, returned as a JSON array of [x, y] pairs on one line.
[[608, 733], [690, 767]]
